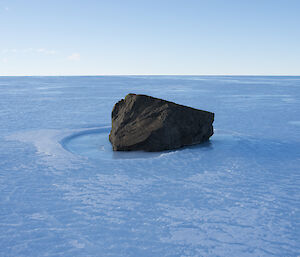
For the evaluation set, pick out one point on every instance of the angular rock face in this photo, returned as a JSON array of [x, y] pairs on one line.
[[141, 122]]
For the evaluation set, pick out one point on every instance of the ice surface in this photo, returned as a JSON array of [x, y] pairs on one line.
[[64, 192]]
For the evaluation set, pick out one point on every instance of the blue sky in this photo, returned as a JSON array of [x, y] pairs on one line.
[[89, 37]]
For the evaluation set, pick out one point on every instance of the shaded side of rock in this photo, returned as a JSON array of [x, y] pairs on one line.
[[141, 122]]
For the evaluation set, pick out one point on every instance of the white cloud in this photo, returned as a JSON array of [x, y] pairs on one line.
[[74, 57], [4, 60], [30, 50], [51, 52], [45, 51]]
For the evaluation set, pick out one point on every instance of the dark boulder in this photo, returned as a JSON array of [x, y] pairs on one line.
[[141, 122]]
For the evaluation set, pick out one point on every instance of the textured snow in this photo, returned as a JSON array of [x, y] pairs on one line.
[[64, 192]]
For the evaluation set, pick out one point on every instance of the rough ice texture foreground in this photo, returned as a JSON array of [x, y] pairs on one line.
[[64, 192], [141, 122]]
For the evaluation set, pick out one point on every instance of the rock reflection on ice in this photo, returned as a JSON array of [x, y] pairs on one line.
[[94, 144]]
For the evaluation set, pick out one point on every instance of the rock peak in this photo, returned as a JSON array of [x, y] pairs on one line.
[[141, 122]]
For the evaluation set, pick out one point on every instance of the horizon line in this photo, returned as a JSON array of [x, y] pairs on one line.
[[103, 75]]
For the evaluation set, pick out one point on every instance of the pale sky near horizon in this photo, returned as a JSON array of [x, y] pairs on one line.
[[139, 37]]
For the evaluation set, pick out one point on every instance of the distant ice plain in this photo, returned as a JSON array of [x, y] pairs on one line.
[[64, 192]]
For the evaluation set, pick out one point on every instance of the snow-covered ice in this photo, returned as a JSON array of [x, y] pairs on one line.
[[64, 192]]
